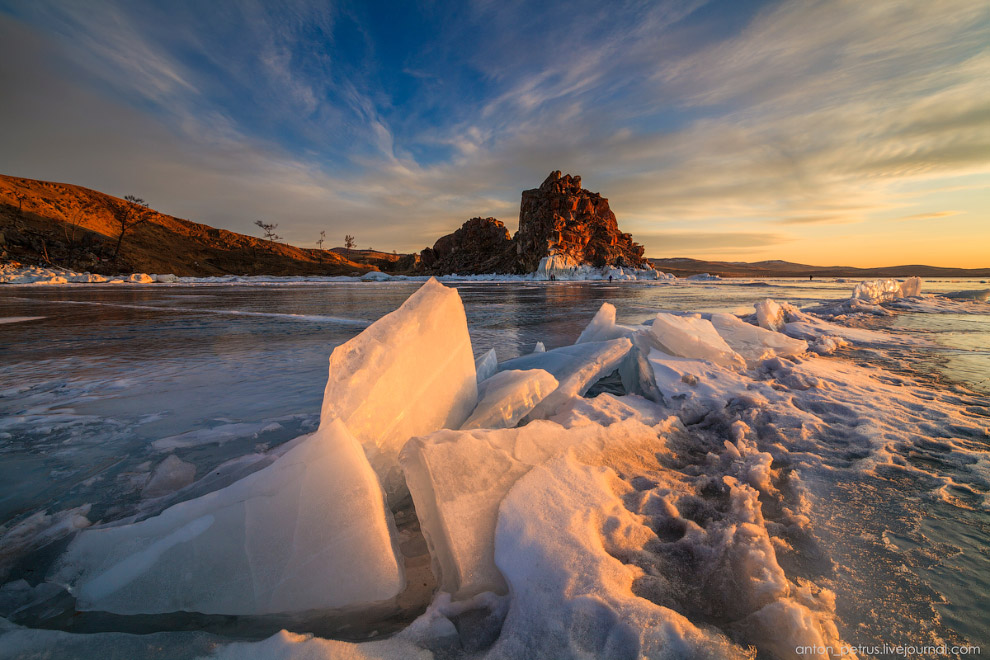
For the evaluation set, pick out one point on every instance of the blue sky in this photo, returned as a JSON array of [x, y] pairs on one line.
[[823, 132]]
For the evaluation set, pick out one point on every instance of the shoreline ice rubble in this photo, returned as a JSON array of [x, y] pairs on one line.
[[646, 524], [559, 267]]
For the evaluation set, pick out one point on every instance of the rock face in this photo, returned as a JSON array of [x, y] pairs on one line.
[[559, 218], [479, 246], [562, 218]]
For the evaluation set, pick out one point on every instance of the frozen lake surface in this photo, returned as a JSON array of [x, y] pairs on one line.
[[99, 384]]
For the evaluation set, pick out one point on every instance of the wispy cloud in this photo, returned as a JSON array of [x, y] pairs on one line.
[[929, 216], [804, 116]]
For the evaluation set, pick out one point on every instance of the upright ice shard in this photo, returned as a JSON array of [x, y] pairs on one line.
[[770, 315], [310, 531], [635, 372], [603, 326], [486, 365], [409, 373], [576, 367]]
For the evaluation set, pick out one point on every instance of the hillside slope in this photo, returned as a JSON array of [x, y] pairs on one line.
[[65, 225]]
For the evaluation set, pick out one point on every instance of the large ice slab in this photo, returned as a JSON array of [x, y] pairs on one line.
[[458, 478], [696, 338], [310, 531], [576, 368], [508, 396], [754, 343], [409, 373]]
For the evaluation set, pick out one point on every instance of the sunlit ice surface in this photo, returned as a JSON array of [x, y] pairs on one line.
[[100, 384]]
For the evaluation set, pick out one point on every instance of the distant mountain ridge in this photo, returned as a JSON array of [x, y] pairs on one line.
[[683, 266]]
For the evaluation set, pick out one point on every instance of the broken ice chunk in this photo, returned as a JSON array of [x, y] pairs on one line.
[[754, 343], [576, 367], [878, 291], [310, 531], [409, 373], [690, 337], [486, 365], [508, 396], [458, 478], [769, 315]]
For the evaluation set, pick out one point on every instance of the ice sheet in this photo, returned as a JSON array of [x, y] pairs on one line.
[[559, 531]]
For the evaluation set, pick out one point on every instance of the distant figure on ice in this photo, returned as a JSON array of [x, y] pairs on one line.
[[553, 278], [811, 277], [609, 279]]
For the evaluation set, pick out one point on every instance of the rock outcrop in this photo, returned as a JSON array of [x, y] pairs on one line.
[[481, 245], [562, 218], [559, 219]]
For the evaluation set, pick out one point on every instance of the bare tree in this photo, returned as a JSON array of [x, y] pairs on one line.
[[349, 243], [127, 214], [269, 230], [20, 197], [323, 238]]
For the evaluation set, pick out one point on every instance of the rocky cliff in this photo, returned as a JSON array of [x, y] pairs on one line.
[[559, 219]]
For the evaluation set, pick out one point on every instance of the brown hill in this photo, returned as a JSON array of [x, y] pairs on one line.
[[65, 225], [683, 266]]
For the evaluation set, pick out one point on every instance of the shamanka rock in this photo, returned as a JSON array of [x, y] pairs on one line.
[[559, 219]]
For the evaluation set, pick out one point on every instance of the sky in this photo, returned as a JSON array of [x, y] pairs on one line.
[[823, 132]]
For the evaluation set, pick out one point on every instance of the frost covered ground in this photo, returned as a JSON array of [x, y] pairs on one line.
[[689, 469]]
